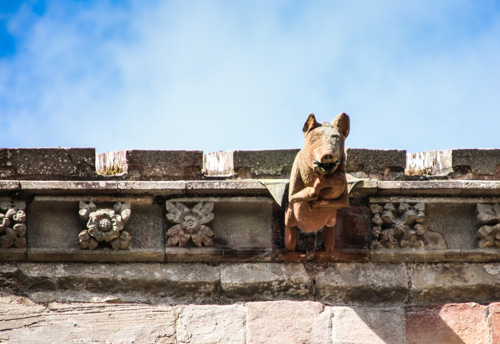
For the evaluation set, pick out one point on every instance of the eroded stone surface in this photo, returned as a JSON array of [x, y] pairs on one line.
[[448, 324], [358, 283], [47, 163], [288, 322], [22, 321], [376, 163], [362, 325], [174, 283], [454, 282], [211, 324], [163, 165], [494, 312], [250, 164], [265, 281]]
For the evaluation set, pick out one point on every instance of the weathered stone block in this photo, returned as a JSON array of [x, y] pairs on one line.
[[376, 163], [152, 164], [494, 313], [288, 322], [457, 163], [265, 281], [454, 282], [455, 221], [170, 283], [55, 225], [429, 163], [211, 324], [22, 321], [47, 163], [250, 164], [360, 325], [9, 282], [358, 283], [447, 324]]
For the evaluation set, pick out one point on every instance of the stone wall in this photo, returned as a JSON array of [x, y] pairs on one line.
[[185, 247], [24, 321]]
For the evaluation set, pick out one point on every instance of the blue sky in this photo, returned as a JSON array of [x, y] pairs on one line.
[[222, 75]]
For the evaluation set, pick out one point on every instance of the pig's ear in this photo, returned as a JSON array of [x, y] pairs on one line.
[[342, 123], [310, 124]]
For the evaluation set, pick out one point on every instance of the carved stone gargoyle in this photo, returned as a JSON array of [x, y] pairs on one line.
[[318, 184]]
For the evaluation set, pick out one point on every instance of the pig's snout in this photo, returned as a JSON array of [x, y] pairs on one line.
[[327, 159], [326, 164]]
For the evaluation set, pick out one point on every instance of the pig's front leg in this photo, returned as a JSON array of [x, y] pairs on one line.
[[307, 194]]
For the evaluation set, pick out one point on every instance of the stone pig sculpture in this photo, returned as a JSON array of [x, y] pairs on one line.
[[318, 185]]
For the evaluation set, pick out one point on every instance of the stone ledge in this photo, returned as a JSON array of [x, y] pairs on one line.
[[361, 188], [351, 284]]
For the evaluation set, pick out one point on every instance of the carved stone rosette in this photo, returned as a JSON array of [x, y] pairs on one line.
[[104, 225], [488, 218], [398, 225], [190, 224], [12, 224]]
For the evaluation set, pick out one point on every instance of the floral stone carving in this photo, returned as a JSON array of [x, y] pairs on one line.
[[488, 218], [190, 224], [12, 224], [104, 225], [398, 225]]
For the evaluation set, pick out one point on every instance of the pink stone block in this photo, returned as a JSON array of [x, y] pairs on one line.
[[447, 324], [495, 321]]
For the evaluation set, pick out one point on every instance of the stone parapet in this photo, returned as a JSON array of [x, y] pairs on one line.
[[47, 163], [161, 165], [456, 163]]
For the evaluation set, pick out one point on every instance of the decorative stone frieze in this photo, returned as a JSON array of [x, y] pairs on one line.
[[398, 225], [190, 224], [104, 225], [12, 224], [488, 218]]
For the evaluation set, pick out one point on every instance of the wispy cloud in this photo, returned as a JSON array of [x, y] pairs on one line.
[[244, 75]]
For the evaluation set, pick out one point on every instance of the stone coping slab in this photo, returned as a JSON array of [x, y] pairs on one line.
[[47, 163], [135, 164], [138, 164], [456, 163]]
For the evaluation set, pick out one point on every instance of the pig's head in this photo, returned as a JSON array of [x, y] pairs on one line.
[[324, 143]]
